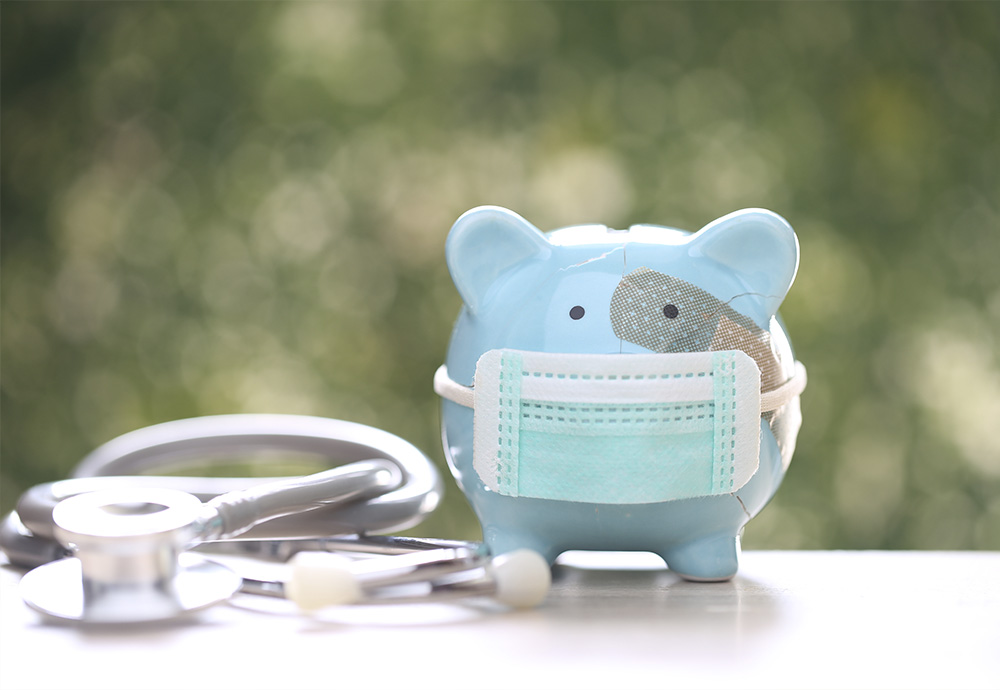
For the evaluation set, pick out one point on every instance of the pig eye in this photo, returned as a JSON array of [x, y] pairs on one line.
[[671, 311], [576, 313]]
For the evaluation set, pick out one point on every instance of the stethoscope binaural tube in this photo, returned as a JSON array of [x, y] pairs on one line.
[[174, 442], [126, 461]]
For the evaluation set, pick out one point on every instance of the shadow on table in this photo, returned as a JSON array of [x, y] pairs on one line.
[[603, 586]]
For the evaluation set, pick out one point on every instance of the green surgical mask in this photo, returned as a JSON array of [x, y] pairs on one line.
[[616, 429]]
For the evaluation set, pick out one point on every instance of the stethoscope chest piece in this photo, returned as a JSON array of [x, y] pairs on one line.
[[128, 565]]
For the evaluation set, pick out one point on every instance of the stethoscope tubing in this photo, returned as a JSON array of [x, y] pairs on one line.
[[379, 483], [26, 535]]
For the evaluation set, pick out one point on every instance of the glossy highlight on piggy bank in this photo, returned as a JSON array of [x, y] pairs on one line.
[[621, 389]]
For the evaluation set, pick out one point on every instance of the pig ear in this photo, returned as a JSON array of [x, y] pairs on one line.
[[483, 244], [759, 246]]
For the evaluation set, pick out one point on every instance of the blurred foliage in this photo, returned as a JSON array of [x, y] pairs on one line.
[[229, 207]]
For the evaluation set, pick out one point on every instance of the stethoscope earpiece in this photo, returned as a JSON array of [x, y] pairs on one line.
[[519, 579], [522, 578]]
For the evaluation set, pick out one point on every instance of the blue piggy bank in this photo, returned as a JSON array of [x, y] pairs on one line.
[[621, 389]]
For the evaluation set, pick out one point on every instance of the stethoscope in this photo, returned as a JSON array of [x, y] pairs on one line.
[[114, 544]]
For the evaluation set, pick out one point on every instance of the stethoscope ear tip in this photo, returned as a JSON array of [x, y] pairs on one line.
[[518, 579], [319, 579], [523, 578]]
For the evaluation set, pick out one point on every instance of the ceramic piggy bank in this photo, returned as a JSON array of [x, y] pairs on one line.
[[621, 389]]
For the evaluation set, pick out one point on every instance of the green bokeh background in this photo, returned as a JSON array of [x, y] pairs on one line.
[[241, 207]]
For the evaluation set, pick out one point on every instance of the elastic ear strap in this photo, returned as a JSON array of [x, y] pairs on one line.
[[451, 390], [770, 401], [784, 393]]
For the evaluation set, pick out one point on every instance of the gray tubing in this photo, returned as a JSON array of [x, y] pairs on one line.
[[189, 442]]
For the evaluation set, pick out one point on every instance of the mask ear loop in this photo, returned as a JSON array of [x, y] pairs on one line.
[[449, 389], [786, 392]]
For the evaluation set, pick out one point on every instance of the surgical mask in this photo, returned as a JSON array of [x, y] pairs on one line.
[[616, 429]]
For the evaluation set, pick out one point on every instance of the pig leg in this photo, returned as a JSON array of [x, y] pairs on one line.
[[714, 558]]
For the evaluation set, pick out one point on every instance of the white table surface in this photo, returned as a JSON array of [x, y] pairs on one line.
[[789, 620]]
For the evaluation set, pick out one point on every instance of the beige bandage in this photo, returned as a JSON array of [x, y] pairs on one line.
[[700, 323]]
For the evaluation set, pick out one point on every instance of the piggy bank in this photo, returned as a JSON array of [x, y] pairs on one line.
[[621, 390]]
